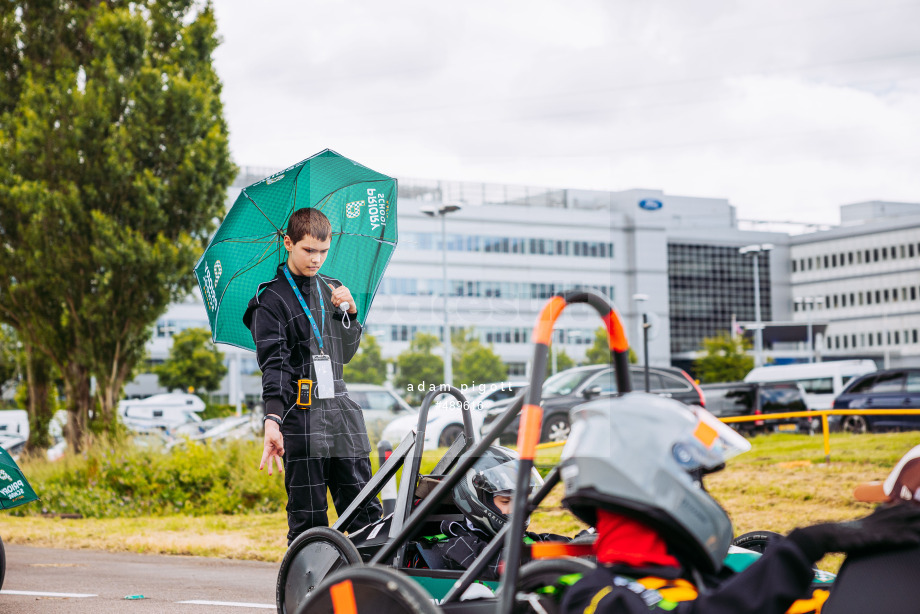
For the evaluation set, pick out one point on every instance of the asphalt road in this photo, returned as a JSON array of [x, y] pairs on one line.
[[49, 580]]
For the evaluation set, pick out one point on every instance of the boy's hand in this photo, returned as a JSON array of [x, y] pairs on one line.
[[274, 447], [343, 294]]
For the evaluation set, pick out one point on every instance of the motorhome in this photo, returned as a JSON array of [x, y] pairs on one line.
[[14, 422], [163, 411], [822, 381]]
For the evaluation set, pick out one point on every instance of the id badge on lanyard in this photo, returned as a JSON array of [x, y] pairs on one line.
[[322, 370]]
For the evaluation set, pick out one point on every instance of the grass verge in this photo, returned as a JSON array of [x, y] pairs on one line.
[[780, 484]]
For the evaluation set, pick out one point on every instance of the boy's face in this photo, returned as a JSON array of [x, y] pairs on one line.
[[503, 503], [307, 255]]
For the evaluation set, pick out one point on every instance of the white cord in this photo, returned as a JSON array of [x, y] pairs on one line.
[[346, 322]]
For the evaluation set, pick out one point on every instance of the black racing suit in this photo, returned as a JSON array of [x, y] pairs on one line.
[[325, 444]]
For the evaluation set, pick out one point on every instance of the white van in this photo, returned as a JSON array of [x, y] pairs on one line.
[[822, 381]]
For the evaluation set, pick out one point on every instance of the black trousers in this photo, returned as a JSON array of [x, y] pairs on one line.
[[306, 479]]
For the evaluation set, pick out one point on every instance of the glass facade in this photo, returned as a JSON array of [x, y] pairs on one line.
[[506, 245], [709, 284]]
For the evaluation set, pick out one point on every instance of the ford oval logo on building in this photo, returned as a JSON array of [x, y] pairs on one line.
[[650, 205]]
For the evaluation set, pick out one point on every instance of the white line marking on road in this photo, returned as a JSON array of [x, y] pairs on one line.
[[40, 594], [231, 604]]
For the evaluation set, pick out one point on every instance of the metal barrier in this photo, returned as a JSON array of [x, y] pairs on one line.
[[823, 413]]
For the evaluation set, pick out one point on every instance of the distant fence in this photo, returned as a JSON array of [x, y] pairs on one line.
[[823, 413]]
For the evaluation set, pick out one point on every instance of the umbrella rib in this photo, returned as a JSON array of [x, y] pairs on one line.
[[356, 234], [273, 237], [259, 209]]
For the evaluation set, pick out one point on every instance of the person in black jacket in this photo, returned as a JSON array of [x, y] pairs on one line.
[[883, 581], [633, 467], [302, 335], [485, 497]]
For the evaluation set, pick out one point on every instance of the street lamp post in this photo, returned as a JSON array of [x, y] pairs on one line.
[[442, 212], [809, 304], [640, 300], [755, 251]]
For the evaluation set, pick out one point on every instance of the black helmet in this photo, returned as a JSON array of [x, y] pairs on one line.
[[494, 473]]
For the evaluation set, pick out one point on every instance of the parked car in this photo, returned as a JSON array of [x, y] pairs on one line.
[[381, 406], [566, 389], [822, 381], [731, 399], [445, 421], [887, 389]]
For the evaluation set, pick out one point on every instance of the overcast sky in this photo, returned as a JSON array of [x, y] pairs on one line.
[[787, 108]]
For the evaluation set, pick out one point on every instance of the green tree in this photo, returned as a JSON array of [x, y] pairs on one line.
[[724, 359], [368, 365], [194, 362], [563, 362], [418, 368], [115, 166], [37, 394], [473, 361], [9, 355], [599, 352]]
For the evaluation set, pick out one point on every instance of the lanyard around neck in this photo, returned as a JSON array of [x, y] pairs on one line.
[[316, 332]]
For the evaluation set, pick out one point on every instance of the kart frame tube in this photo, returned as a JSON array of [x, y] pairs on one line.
[[406, 495], [532, 417]]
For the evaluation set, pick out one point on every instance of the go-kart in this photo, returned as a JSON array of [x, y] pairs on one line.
[[365, 572]]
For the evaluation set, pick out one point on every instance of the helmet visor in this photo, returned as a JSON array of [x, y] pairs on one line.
[[710, 443], [502, 479]]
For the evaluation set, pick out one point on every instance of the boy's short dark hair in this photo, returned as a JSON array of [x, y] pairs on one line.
[[310, 222]]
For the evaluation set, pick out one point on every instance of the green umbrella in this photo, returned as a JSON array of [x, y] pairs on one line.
[[14, 487], [247, 248]]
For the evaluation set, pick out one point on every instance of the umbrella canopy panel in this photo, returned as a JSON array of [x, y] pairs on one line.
[[248, 246]]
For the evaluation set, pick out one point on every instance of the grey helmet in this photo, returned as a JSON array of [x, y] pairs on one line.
[[494, 473], [643, 456]]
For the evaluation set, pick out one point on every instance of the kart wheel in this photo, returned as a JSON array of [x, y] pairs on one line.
[[540, 586], [315, 554], [449, 435], [756, 541], [371, 589], [855, 424], [2, 563], [556, 429]]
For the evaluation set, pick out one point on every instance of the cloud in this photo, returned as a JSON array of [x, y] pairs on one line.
[[788, 109]]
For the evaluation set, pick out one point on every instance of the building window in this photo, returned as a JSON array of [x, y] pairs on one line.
[[875, 255], [878, 297], [913, 293], [849, 257], [833, 260]]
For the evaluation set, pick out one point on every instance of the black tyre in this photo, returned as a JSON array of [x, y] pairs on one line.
[[556, 428], [855, 424], [540, 583], [449, 435], [2, 563], [375, 589], [315, 554], [756, 541]]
